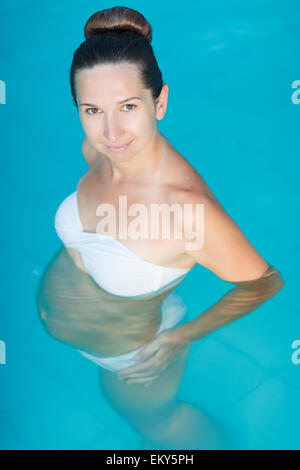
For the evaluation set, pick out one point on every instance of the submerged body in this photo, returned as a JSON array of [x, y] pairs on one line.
[[99, 295], [77, 311]]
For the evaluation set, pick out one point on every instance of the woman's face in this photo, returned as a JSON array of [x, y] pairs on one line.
[[109, 122]]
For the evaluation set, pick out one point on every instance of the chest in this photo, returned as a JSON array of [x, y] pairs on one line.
[[145, 220]]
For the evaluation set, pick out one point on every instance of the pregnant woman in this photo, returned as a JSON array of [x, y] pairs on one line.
[[110, 292]]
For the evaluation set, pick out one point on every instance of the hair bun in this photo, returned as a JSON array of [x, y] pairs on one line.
[[118, 19]]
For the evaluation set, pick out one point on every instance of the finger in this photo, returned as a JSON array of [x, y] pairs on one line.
[[132, 369], [154, 368], [147, 351], [145, 354], [137, 375], [145, 372], [140, 367], [143, 380], [147, 368]]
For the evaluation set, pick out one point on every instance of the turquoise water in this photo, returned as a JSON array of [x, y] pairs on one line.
[[230, 69]]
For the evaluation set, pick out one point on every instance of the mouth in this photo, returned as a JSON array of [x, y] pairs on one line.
[[118, 149]]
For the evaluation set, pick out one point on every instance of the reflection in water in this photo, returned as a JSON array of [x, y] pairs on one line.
[[78, 312]]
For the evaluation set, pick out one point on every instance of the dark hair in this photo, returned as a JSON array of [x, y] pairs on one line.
[[117, 35]]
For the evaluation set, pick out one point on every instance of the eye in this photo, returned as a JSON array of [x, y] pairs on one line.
[[130, 105], [87, 110]]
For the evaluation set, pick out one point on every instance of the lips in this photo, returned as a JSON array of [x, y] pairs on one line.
[[119, 149]]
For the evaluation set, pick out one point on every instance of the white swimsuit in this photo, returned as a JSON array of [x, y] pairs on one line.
[[109, 262], [119, 271]]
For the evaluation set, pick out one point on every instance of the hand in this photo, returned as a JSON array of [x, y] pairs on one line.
[[154, 358]]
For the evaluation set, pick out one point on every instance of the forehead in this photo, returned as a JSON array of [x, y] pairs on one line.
[[109, 81]]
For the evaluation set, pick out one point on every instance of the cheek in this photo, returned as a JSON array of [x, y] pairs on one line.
[[141, 123], [90, 126]]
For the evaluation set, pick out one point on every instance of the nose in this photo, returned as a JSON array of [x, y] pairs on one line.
[[112, 130]]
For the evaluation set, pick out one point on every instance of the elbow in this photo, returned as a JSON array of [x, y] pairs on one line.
[[277, 283], [271, 283], [281, 282]]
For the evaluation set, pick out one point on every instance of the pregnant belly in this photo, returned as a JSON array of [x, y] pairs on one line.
[[97, 339], [74, 310]]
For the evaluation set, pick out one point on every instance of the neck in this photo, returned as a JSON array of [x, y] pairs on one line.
[[142, 166]]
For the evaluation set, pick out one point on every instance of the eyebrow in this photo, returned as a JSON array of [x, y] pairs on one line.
[[120, 102]]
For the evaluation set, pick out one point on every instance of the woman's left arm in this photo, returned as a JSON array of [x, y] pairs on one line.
[[226, 251]]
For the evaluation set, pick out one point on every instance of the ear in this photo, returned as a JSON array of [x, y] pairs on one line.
[[162, 102]]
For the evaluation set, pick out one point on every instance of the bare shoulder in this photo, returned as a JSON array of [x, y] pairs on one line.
[[90, 154], [219, 243], [95, 161], [186, 183]]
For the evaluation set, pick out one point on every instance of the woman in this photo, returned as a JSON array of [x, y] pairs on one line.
[[118, 90]]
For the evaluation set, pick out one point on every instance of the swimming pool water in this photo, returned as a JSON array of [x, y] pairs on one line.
[[230, 68]]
